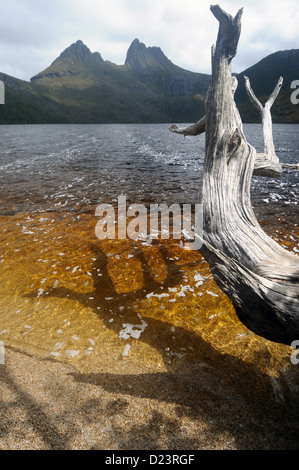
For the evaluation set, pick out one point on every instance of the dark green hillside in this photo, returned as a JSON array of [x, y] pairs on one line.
[[263, 78], [23, 105]]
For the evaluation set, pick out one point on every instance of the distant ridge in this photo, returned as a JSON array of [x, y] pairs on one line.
[[81, 87]]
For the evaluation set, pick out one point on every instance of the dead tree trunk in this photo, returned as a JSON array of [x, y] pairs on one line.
[[267, 163], [195, 129], [259, 276]]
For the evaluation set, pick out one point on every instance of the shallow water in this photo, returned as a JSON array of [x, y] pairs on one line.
[[124, 305]]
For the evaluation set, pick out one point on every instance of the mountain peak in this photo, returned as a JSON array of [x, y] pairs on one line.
[[70, 62], [146, 59], [79, 52]]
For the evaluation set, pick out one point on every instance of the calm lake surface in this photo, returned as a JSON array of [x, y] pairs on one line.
[[119, 305]]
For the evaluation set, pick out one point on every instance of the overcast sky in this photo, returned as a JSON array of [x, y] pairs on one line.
[[34, 32]]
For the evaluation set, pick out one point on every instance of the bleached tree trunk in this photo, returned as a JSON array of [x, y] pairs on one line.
[[259, 276], [265, 112], [267, 163]]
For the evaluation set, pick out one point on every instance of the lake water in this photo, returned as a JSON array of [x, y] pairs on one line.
[[76, 167], [123, 305]]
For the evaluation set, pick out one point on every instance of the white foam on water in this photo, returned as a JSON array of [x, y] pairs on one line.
[[132, 331], [160, 296], [71, 353], [40, 292], [126, 350], [212, 293]]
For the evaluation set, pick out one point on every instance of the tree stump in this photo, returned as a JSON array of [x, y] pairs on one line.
[[258, 275]]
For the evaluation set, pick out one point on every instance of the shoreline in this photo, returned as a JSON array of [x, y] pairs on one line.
[[48, 405]]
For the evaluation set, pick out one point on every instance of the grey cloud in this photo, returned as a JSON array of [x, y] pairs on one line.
[[34, 32]]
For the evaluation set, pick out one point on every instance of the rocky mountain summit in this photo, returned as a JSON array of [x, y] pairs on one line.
[[65, 64], [79, 52], [147, 59]]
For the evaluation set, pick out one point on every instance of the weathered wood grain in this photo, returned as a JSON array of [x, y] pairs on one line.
[[260, 277]]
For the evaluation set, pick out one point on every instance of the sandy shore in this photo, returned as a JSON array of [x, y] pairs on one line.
[[50, 405]]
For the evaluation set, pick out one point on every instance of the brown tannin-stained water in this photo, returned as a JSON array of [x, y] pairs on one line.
[[125, 306]]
